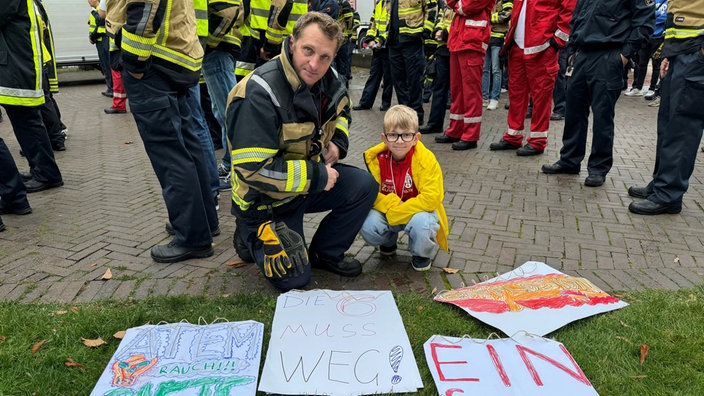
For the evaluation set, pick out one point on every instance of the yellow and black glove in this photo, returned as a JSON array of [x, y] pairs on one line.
[[658, 52], [285, 252]]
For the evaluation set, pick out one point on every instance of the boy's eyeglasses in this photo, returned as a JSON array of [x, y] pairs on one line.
[[406, 137]]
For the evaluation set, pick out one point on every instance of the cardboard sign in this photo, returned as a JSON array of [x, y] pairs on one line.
[[326, 342], [537, 366], [184, 359], [534, 298]]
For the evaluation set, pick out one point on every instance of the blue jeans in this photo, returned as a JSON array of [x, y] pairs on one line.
[[491, 77], [219, 73], [203, 133], [421, 229]]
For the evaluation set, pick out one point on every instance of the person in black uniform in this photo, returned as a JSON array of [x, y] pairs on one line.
[[680, 117], [604, 35], [13, 193]]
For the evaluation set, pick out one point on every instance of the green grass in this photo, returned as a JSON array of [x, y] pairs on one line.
[[607, 346]]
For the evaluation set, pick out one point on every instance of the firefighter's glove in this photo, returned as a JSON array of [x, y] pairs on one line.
[[285, 252]]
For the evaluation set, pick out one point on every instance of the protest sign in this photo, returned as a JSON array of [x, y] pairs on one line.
[[536, 366], [326, 342], [185, 359], [533, 298]]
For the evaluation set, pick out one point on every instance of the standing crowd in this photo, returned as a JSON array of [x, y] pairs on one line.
[[276, 73]]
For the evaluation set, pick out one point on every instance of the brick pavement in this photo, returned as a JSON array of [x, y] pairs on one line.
[[502, 212]]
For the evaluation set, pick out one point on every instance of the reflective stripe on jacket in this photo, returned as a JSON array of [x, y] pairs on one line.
[[544, 20], [21, 74], [470, 28], [684, 29]]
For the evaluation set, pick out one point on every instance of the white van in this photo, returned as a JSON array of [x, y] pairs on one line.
[[69, 24]]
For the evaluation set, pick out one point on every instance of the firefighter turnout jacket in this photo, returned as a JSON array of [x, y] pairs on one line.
[[159, 34], [684, 29], [20, 46], [277, 126]]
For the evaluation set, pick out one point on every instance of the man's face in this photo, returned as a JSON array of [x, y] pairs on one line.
[[311, 54]]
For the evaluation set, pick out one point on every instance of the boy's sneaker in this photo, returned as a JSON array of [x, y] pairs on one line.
[[420, 263], [493, 104], [655, 102], [387, 251], [650, 95]]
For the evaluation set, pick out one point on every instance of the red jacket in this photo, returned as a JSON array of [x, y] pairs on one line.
[[470, 28], [545, 20]]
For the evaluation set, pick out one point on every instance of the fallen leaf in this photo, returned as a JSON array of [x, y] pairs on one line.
[[420, 308], [120, 334], [59, 312], [624, 324], [38, 345], [639, 376], [71, 363], [692, 297], [435, 290], [236, 263], [451, 270], [644, 349], [93, 343], [624, 339], [2, 337], [128, 142], [94, 265], [676, 260], [107, 275]]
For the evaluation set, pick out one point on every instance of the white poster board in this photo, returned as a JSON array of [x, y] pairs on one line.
[[326, 342], [537, 366], [533, 298], [180, 359]]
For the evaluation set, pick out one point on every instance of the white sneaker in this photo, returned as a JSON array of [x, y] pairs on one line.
[[493, 104], [655, 102], [633, 92]]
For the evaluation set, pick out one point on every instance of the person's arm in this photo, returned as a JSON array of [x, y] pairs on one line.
[[642, 26], [102, 9], [562, 33], [222, 16], [139, 35]]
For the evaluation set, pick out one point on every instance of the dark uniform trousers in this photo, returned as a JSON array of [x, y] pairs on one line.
[[596, 82], [32, 136], [349, 203], [380, 70], [680, 125], [441, 88], [12, 190], [166, 126], [407, 67], [560, 91]]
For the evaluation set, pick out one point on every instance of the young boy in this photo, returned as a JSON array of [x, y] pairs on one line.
[[411, 191]]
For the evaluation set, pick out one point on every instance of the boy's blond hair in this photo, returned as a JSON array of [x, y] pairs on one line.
[[402, 117]]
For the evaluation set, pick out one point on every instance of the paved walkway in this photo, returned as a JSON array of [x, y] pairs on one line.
[[502, 211]]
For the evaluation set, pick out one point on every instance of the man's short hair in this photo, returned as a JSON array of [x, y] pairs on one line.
[[401, 117], [330, 28]]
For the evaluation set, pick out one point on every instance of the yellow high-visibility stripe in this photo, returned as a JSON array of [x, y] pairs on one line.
[[251, 154]]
